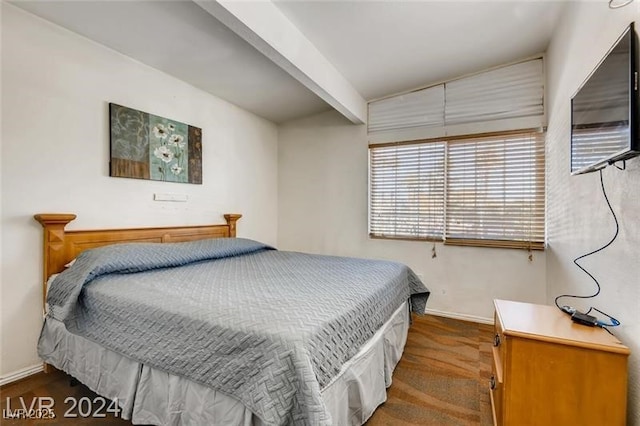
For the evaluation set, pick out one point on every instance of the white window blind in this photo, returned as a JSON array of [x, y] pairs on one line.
[[480, 191], [513, 91], [507, 98], [495, 191], [407, 191], [423, 108]]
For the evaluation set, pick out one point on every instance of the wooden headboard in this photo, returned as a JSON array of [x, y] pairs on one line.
[[61, 246]]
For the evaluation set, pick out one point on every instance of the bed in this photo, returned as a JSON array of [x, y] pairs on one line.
[[221, 330]]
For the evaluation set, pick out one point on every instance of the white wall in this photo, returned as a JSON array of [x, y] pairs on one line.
[[55, 155], [578, 218], [322, 208]]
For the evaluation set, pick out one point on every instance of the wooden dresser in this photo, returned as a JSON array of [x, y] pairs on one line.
[[548, 370]]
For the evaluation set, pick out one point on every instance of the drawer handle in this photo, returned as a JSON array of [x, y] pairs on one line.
[[496, 340], [492, 382]]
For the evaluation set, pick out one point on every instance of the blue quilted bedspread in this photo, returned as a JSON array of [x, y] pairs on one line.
[[270, 328]]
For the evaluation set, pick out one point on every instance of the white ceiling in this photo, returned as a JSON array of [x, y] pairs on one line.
[[181, 39], [380, 48], [386, 47]]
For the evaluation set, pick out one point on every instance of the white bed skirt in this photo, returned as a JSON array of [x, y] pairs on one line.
[[150, 396]]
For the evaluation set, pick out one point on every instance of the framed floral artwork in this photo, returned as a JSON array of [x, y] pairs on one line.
[[147, 146]]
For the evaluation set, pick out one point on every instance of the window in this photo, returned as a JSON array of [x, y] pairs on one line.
[[407, 191], [482, 191]]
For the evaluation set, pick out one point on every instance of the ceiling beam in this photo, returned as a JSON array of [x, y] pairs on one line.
[[268, 30]]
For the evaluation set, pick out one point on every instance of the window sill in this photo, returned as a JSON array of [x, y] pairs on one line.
[[423, 239], [523, 245]]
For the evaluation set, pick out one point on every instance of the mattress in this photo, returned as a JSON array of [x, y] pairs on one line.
[[148, 395]]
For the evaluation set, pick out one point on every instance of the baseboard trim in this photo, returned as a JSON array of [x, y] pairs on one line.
[[21, 374], [464, 317]]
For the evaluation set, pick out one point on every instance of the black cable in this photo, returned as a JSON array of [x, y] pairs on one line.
[[608, 331], [614, 322]]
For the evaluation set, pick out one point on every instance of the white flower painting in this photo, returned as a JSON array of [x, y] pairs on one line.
[[163, 153], [147, 146], [171, 151], [176, 170], [177, 141], [159, 131]]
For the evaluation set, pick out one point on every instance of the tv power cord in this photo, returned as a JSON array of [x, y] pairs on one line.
[[585, 318]]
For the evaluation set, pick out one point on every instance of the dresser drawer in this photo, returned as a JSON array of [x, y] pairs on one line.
[[496, 383], [498, 350], [497, 394]]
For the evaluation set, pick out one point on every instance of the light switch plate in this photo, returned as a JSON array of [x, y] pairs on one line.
[[170, 197]]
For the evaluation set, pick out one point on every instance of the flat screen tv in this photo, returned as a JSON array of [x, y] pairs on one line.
[[604, 110]]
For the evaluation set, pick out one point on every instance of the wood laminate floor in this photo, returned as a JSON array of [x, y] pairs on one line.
[[442, 379], [443, 376]]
